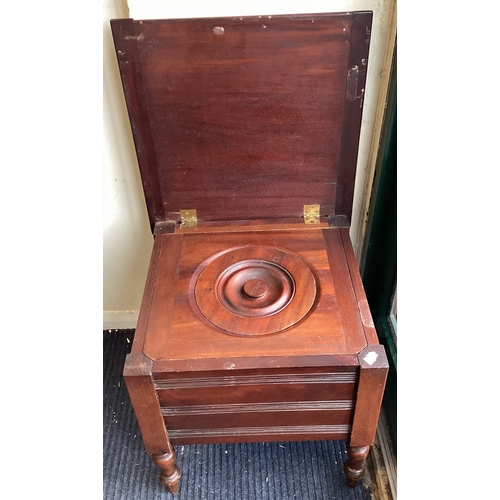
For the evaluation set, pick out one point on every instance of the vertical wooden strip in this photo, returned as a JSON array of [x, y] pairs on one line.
[[353, 110], [162, 304], [126, 40], [357, 283], [351, 322], [152, 276], [373, 374]]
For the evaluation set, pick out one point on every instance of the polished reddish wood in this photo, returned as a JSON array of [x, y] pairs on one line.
[[170, 474], [272, 361], [241, 405], [355, 338], [142, 320], [138, 378], [179, 333], [288, 387], [254, 326], [302, 383], [245, 118], [253, 290], [354, 466], [372, 377], [359, 292], [353, 107]]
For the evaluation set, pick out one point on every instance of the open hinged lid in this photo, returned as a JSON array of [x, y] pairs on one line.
[[246, 118]]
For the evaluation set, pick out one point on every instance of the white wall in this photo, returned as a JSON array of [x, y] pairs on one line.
[[127, 237]]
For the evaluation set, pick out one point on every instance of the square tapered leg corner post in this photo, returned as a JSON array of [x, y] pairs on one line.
[[372, 377], [140, 385]]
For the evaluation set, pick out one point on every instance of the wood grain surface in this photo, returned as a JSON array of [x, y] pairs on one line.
[[179, 332], [254, 326], [245, 118]]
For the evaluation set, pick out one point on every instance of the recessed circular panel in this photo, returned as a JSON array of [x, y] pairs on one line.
[[254, 290]]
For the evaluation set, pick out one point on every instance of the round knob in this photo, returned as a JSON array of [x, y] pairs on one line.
[[255, 288]]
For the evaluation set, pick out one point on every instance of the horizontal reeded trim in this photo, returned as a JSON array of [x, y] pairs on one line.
[[306, 378], [257, 407], [260, 431]]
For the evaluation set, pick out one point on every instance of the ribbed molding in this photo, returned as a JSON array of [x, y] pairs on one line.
[[306, 378], [256, 407], [301, 430]]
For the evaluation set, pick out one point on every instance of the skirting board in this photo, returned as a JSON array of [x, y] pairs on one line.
[[388, 455], [381, 475], [120, 320]]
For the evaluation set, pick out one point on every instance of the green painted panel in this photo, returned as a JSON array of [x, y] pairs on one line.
[[380, 250]]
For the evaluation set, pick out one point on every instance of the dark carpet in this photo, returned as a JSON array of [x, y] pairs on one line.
[[255, 471]]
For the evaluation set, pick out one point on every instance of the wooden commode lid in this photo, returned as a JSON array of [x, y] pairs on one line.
[[245, 118]]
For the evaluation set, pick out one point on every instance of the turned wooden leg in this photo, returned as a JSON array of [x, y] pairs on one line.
[[170, 474], [355, 465]]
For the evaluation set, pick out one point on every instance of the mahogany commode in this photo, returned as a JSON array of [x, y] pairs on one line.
[[254, 325]]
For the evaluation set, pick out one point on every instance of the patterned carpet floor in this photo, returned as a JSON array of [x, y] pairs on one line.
[[251, 471]]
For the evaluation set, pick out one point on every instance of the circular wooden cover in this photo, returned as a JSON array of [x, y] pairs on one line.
[[254, 290]]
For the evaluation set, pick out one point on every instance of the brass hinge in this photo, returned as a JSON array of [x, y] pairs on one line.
[[189, 219], [311, 214]]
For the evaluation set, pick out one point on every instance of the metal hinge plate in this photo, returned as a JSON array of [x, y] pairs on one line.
[[189, 219], [311, 214]]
